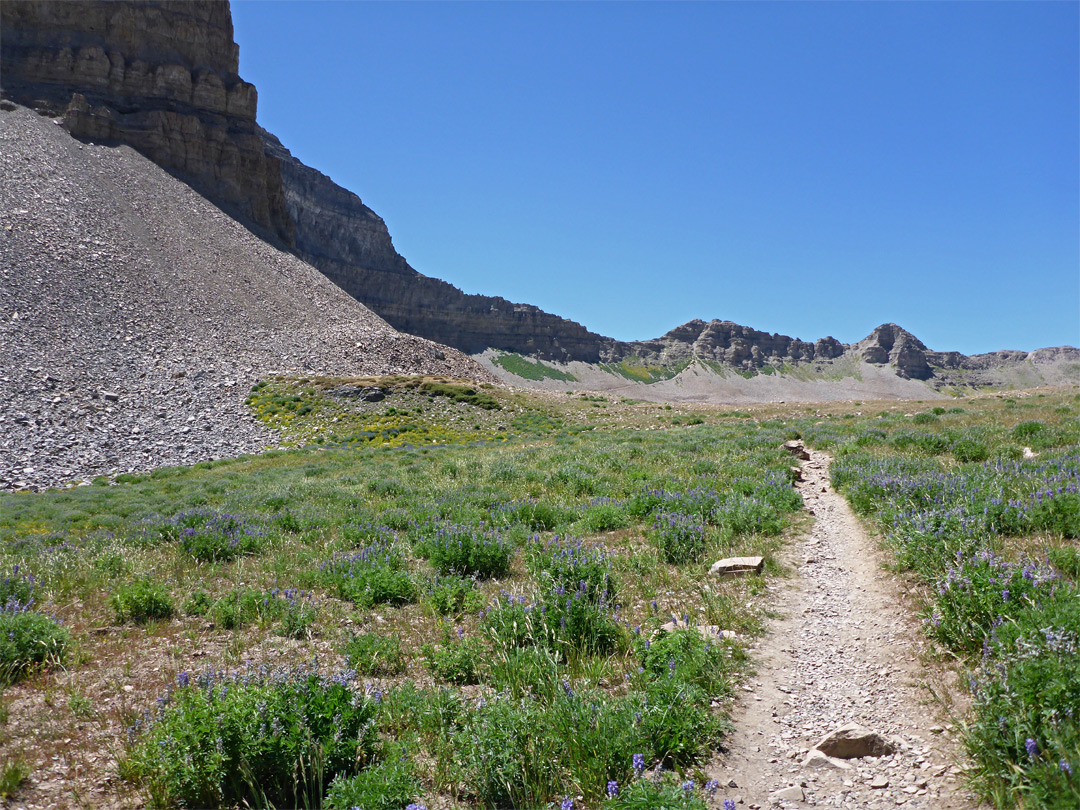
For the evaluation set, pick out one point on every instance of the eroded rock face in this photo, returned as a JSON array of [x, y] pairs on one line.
[[161, 77], [731, 344], [890, 343]]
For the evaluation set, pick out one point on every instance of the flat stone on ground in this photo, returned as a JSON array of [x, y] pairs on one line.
[[737, 566]]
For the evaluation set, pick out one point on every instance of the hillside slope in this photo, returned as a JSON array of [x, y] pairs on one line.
[[135, 315]]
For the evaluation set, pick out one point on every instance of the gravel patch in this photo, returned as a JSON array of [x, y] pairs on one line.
[[135, 316]]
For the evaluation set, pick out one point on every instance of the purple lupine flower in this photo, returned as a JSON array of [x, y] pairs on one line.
[[711, 787], [613, 786], [567, 804], [1032, 748], [639, 763], [688, 786], [729, 804], [1065, 767]]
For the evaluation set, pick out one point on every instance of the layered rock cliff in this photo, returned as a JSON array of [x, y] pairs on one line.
[[730, 343], [350, 244], [160, 76]]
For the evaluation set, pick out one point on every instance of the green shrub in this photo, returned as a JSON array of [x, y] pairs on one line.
[[980, 592], [604, 517], [1027, 430], [452, 595], [388, 785], [1066, 560], [1025, 735], [459, 659], [566, 562], [211, 536], [27, 638], [686, 655], [540, 516], [199, 603], [657, 794], [468, 551], [371, 654], [373, 575], [680, 538], [254, 738], [931, 444], [970, 451], [141, 601]]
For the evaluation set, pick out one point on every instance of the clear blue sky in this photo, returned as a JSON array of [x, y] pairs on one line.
[[803, 168]]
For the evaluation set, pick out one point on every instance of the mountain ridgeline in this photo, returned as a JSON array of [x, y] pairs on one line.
[[163, 77]]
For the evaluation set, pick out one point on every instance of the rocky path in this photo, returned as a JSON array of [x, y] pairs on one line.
[[845, 651]]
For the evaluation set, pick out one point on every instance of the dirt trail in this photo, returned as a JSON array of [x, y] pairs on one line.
[[845, 651]]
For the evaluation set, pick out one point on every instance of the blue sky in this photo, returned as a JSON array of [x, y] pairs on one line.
[[803, 168]]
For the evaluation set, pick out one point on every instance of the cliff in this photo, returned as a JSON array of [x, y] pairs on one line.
[[160, 76], [350, 244]]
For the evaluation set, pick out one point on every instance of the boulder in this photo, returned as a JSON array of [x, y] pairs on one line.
[[788, 794], [853, 741], [795, 447]]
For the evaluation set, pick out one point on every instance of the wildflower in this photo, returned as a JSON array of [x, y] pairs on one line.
[[1032, 747], [729, 804], [567, 804], [639, 763], [1065, 766], [711, 787], [688, 786], [613, 786]]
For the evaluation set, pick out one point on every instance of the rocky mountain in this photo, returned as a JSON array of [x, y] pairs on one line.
[[162, 77], [349, 243]]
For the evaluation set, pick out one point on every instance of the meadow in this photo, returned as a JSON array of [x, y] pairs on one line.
[[455, 596]]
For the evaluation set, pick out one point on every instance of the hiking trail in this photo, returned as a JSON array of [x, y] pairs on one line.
[[845, 650]]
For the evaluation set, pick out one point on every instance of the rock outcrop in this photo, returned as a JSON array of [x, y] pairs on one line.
[[731, 344], [892, 344], [160, 76]]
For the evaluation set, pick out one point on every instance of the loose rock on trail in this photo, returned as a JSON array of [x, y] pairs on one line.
[[845, 652]]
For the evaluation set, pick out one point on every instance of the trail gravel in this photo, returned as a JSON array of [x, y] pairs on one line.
[[846, 650]]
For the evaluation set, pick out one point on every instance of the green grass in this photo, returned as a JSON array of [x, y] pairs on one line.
[[491, 593], [639, 370], [530, 369], [458, 564]]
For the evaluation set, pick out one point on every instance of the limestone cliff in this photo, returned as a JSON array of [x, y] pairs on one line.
[[160, 76], [350, 244]]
